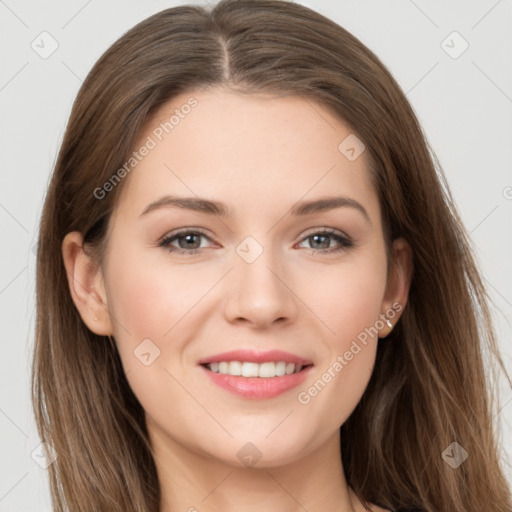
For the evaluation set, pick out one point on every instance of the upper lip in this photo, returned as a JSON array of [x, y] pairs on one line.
[[256, 356]]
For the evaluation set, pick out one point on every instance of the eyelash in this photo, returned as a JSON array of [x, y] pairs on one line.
[[345, 242]]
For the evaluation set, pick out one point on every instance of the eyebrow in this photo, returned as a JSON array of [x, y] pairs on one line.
[[220, 209]]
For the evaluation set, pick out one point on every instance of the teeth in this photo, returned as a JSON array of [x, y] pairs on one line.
[[267, 370], [281, 369], [234, 368], [246, 369]]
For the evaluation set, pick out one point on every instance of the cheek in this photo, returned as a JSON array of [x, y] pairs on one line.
[[148, 300], [155, 309], [349, 304], [347, 298], [151, 310]]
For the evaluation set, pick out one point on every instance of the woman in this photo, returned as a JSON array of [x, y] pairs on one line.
[[195, 348]]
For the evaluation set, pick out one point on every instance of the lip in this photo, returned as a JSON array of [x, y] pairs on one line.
[[256, 356], [257, 388]]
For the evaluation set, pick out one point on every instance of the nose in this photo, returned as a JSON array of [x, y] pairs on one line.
[[260, 293]]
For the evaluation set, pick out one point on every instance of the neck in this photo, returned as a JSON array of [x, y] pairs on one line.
[[194, 482]]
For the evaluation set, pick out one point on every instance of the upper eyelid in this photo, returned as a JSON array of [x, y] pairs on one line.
[[182, 232], [324, 229]]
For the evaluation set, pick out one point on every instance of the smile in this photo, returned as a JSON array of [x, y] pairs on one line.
[[256, 375], [249, 369]]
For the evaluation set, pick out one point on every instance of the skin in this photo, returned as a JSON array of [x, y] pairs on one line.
[[259, 155]]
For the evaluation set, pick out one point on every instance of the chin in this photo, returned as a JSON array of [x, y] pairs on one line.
[[254, 451]]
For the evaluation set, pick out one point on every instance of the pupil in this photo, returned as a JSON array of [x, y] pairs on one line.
[[315, 237], [188, 239]]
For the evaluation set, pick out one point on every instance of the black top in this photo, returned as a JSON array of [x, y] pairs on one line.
[[403, 509], [407, 509]]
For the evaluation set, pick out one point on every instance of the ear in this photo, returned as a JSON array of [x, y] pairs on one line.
[[397, 286], [86, 285]]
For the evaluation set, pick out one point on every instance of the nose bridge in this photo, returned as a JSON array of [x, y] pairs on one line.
[[259, 293]]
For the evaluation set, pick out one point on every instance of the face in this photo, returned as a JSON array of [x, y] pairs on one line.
[[262, 273]]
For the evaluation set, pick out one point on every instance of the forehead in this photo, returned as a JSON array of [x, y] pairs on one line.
[[251, 151]]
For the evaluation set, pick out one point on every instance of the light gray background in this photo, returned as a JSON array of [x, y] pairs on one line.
[[463, 103]]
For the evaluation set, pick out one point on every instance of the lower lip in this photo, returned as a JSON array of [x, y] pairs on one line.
[[258, 388]]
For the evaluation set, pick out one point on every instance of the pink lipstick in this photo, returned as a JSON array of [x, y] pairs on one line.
[[254, 374]]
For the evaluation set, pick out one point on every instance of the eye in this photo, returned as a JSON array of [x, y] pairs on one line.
[[320, 240], [189, 242]]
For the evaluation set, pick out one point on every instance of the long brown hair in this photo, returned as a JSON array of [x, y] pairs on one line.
[[428, 389]]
